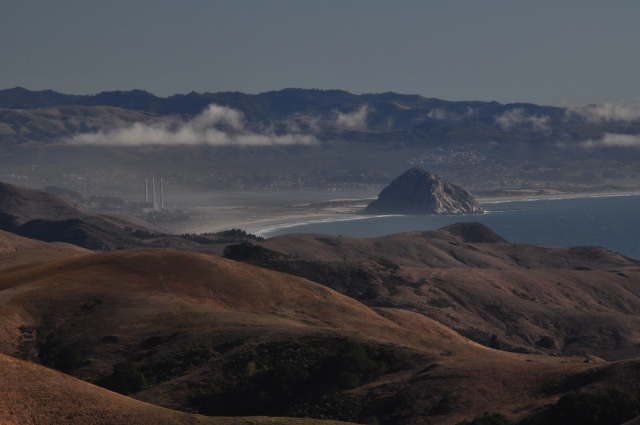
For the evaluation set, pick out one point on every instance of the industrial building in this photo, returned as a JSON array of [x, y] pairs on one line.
[[150, 203]]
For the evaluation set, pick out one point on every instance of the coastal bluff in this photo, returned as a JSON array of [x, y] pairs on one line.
[[419, 192]]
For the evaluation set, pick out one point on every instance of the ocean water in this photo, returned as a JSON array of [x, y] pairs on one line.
[[611, 221]]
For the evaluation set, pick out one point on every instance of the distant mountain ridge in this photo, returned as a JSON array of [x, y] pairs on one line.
[[479, 145], [272, 103]]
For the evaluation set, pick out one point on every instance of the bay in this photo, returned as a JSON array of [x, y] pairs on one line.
[[609, 221]]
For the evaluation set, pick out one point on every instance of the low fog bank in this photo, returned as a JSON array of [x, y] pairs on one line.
[[218, 126]]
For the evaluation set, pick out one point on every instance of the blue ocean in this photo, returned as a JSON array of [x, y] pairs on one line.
[[610, 221]]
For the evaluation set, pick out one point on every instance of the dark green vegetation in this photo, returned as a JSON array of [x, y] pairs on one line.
[[247, 251], [304, 379], [226, 236], [307, 378], [126, 379], [612, 407], [142, 234], [356, 281], [487, 419], [130, 377]]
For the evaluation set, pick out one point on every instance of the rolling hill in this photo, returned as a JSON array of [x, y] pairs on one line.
[[40, 215], [420, 327], [33, 394], [528, 298], [199, 333]]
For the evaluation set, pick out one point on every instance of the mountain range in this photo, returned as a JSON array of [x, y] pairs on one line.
[[273, 104], [307, 139]]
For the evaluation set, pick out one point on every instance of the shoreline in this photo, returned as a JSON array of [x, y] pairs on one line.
[[554, 196], [264, 219], [253, 226]]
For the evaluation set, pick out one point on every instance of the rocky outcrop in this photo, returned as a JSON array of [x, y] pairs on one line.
[[420, 192]]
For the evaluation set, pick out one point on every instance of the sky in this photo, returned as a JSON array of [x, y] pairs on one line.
[[567, 53]]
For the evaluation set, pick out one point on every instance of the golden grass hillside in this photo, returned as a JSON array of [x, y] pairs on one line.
[[33, 394], [518, 297], [148, 307]]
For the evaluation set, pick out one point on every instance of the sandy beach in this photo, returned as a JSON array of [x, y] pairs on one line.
[[252, 215], [537, 195], [257, 214]]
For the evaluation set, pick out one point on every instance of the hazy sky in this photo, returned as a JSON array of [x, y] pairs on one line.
[[546, 52]]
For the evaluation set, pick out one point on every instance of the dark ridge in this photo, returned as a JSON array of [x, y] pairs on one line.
[[8, 222], [474, 232], [135, 99], [73, 231], [266, 105], [43, 216], [21, 98], [93, 233]]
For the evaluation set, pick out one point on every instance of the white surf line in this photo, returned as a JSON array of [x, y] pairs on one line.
[[286, 225], [335, 201], [559, 198]]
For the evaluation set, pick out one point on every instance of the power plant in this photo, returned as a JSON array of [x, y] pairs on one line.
[[152, 206]]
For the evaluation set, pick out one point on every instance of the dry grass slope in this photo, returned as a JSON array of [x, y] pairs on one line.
[[563, 301], [32, 394], [179, 299]]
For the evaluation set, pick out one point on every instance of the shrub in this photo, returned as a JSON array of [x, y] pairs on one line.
[[65, 358], [611, 408], [387, 264], [546, 342], [126, 379], [487, 419], [247, 251], [495, 343], [277, 378], [176, 364], [440, 302], [339, 406], [69, 358]]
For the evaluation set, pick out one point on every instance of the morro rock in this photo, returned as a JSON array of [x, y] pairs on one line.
[[420, 192]]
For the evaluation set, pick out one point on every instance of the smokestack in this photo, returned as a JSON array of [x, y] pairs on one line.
[[161, 195], [153, 182], [146, 191]]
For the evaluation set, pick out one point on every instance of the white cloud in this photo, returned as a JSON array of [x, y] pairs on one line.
[[470, 112], [441, 114], [609, 112], [217, 125], [519, 117], [614, 140], [356, 120]]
